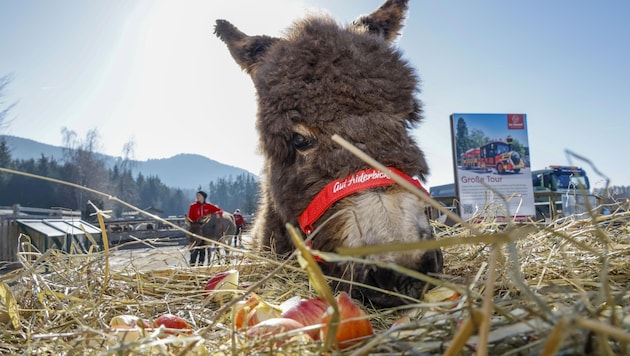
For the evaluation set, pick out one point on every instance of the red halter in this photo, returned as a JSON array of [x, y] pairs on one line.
[[341, 188]]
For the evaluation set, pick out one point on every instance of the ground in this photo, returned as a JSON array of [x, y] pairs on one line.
[[141, 258]]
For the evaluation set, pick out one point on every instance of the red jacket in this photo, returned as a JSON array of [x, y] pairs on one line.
[[239, 220], [197, 210]]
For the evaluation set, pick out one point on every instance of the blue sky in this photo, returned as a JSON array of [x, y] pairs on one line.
[[151, 72]]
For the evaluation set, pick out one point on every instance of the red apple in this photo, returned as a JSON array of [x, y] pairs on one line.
[[223, 280], [171, 321], [354, 326], [307, 312]]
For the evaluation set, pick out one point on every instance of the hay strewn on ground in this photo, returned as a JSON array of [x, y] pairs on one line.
[[560, 288]]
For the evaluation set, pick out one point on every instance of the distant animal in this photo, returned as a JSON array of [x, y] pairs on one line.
[[321, 79], [216, 227]]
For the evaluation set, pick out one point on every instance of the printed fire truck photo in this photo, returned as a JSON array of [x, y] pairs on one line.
[[490, 143], [495, 156]]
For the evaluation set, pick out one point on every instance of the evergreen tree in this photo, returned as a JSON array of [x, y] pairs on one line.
[[5, 162], [462, 139]]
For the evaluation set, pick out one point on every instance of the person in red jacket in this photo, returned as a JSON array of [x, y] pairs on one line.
[[200, 208], [240, 222], [196, 212]]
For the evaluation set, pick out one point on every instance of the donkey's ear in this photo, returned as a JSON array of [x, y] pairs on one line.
[[386, 21], [246, 50]]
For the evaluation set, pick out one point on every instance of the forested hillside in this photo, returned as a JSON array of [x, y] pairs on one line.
[[168, 169]]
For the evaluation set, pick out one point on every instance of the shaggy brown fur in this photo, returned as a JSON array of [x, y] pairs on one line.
[[323, 79]]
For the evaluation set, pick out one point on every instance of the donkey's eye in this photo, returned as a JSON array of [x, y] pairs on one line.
[[301, 142]]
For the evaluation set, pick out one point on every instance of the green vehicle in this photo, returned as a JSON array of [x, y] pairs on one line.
[[562, 191]]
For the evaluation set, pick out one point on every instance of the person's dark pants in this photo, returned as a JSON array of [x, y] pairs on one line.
[[237, 236], [197, 252]]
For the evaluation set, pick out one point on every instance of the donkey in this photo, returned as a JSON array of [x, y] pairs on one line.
[[322, 79], [214, 227]]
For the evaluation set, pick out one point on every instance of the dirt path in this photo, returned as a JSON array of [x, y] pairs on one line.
[[145, 259], [155, 258]]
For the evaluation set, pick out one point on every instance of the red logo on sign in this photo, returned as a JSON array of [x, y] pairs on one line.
[[516, 121]]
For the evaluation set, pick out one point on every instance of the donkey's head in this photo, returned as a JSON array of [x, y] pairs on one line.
[[322, 79]]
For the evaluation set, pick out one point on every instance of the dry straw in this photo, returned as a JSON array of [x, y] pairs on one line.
[[557, 288]]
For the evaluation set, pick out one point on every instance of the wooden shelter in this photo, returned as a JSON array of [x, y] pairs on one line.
[[46, 229]]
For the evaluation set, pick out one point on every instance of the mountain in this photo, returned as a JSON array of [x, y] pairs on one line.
[[24, 148], [174, 172], [187, 170]]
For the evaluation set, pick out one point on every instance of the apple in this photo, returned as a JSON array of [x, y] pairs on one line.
[[307, 312], [129, 320], [261, 312], [241, 310], [125, 333], [222, 281], [354, 326], [173, 322]]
